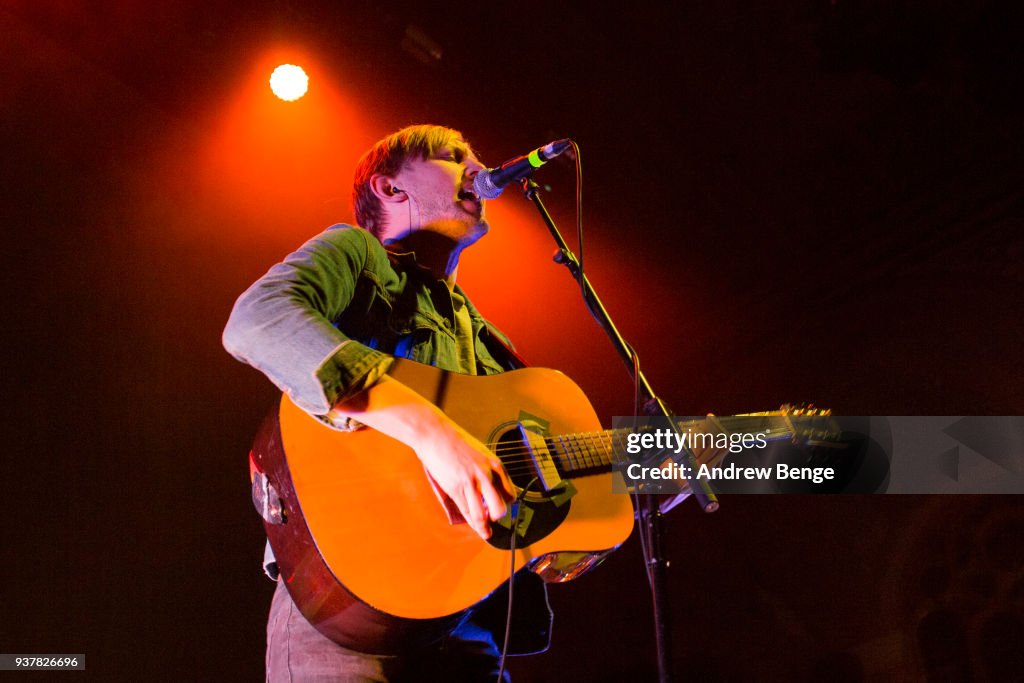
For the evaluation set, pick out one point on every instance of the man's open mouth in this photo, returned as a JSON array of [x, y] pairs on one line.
[[470, 201]]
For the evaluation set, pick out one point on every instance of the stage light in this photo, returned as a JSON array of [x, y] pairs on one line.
[[289, 82]]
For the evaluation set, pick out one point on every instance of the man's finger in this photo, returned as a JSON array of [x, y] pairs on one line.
[[474, 511], [506, 481], [495, 505]]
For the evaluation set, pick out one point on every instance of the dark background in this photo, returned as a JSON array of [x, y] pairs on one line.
[[785, 201]]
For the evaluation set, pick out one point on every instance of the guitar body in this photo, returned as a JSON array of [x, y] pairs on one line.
[[367, 550]]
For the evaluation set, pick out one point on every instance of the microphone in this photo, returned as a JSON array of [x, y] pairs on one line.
[[489, 183]]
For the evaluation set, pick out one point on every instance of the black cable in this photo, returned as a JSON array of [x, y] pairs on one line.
[[579, 217], [511, 575]]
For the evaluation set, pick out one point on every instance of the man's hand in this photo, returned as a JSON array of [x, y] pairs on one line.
[[468, 473], [460, 465]]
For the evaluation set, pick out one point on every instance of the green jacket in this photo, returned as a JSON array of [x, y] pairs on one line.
[[327, 322]]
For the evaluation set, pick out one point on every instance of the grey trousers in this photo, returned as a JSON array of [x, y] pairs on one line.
[[298, 653]]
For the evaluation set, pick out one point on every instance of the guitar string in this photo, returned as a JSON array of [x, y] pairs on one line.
[[525, 462], [591, 437], [579, 452], [601, 436], [594, 451], [597, 451]]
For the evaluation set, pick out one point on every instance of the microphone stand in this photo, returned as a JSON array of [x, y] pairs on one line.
[[648, 513]]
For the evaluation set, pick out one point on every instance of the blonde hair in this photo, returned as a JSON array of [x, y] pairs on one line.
[[387, 157]]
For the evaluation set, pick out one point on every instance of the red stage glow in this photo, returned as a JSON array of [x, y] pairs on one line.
[[280, 172], [285, 167]]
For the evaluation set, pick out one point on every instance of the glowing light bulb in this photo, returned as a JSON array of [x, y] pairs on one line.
[[289, 82]]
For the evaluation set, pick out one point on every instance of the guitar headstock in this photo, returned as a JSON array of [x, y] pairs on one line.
[[803, 409], [812, 426], [804, 423]]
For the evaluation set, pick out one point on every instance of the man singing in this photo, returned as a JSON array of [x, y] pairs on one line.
[[325, 325]]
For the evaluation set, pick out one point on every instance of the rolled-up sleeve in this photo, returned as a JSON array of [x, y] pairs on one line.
[[283, 324]]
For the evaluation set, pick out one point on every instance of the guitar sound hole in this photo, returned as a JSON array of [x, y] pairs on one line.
[[515, 456], [539, 514]]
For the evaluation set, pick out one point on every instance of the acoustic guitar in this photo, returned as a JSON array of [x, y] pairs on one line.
[[366, 545]]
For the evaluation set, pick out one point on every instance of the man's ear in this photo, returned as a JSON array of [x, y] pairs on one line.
[[384, 188]]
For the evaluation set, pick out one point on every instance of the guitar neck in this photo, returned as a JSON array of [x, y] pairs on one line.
[[592, 453]]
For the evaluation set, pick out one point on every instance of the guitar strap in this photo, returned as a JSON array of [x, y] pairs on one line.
[[502, 351]]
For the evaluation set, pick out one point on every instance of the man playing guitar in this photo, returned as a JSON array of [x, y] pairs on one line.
[[326, 324]]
